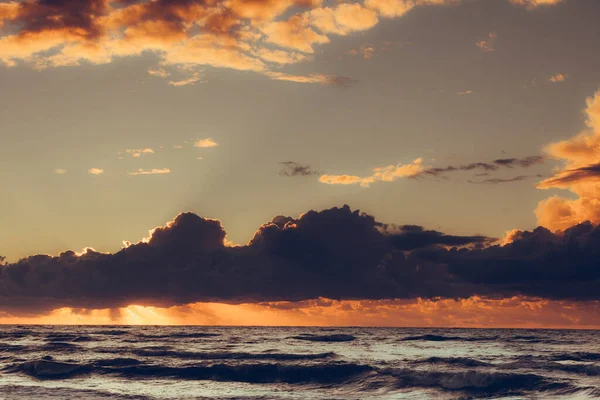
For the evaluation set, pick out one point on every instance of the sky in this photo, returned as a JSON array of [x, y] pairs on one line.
[[204, 152]]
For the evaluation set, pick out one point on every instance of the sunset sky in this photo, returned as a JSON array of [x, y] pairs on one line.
[[456, 127]]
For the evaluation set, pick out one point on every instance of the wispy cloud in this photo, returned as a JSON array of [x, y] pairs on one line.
[[205, 143], [535, 3], [488, 44], [60, 171], [195, 77], [525, 162], [95, 171], [153, 171], [313, 78], [557, 78], [496, 181], [381, 174], [366, 52], [139, 152], [464, 93], [160, 72], [292, 168]]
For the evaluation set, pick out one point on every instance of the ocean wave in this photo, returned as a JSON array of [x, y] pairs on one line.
[[458, 361], [13, 348], [47, 369], [112, 332], [541, 364], [577, 356], [473, 381], [230, 356], [68, 338], [250, 373], [192, 335], [324, 338], [441, 338], [117, 362]]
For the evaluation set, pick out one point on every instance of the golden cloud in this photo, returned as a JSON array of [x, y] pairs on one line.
[[95, 171], [580, 174], [380, 174], [154, 171], [249, 35], [205, 143]]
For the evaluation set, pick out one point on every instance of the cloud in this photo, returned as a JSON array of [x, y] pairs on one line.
[[343, 19], [464, 93], [95, 171], [579, 173], [489, 44], [291, 168], [154, 171], [535, 3], [294, 33], [313, 78], [557, 78], [366, 52], [495, 165], [520, 162], [340, 179], [205, 143], [192, 79], [336, 253], [417, 170], [258, 35], [60, 171], [137, 153], [380, 174], [160, 72], [496, 181]]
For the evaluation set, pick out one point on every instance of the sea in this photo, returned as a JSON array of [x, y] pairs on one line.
[[158, 362]]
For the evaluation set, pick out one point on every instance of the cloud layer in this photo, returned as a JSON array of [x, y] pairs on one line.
[[246, 35], [336, 253]]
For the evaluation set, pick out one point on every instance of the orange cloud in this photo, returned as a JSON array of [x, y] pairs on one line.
[[313, 78], [95, 171], [139, 152], [488, 45], [366, 52], [557, 78], [194, 78], [580, 174], [249, 35], [295, 34], [381, 174], [204, 143], [340, 179], [153, 171], [535, 3]]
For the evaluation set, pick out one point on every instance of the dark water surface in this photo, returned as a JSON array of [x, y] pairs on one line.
[[58, 362]]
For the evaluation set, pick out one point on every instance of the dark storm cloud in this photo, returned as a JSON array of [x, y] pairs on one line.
[[336, 253], [291, 168], [483, 166]]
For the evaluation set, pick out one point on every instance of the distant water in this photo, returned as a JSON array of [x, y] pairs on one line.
[[44, 362]]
